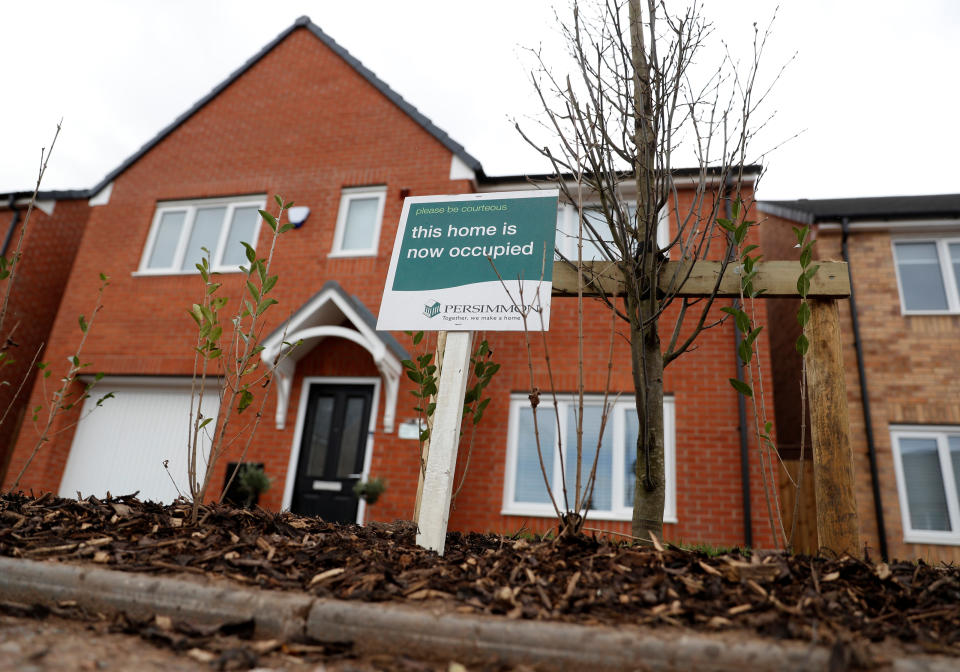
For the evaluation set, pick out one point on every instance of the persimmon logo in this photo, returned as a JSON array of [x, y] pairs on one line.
[[431, 309]]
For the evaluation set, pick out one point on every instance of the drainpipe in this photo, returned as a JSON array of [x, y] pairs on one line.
[[864, 396], [13, 225], [744, 429]]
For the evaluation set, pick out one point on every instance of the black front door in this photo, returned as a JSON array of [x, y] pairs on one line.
[[332, 451]]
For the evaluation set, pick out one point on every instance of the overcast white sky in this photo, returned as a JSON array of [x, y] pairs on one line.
[[872, 91]]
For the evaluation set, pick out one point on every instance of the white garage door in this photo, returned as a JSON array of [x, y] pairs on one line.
[[121, 446]]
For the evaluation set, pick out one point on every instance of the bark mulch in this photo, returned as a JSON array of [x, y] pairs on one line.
[[840, 602]]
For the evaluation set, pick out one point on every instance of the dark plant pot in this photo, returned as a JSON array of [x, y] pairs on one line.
[[371, 498], [369, 491], [233, 496]]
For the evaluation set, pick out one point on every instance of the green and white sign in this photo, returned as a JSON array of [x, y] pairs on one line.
[[448, 252]]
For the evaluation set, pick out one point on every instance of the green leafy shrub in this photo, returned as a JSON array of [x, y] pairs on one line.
[[236, 361]]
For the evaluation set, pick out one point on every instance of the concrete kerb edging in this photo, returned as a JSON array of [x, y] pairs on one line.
[[389, 628], [277, 615]]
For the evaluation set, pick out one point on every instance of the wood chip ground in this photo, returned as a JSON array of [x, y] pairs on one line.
[[843, 602]]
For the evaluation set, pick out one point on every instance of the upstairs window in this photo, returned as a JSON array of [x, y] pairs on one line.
[[568, 228], [524, 490], [927, 463], [182, 229], [928, 275], [358, 222]]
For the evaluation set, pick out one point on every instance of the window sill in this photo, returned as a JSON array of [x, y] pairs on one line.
[[914, 313], [606, 516], [352, 253], [935, 538], [168, 273]]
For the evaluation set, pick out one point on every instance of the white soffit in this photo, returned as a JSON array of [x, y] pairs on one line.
[[902, 225], [44, 206], [460, 171], [102, 197]]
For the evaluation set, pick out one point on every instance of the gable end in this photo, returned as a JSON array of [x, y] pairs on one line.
[[303, 22]]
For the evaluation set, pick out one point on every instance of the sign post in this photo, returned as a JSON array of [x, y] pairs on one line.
[[461, 264], [444, 441]]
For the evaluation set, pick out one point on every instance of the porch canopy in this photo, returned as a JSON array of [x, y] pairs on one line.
[[332, 313]]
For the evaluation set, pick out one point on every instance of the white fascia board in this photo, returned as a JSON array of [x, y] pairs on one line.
[[272, 346], [911, 225], [628, 185], [141, 381]]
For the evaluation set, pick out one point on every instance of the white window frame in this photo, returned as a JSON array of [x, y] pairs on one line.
[[616, 425], [946, 273], [347, 196], [568, 227], [939, 433], [190, 208]]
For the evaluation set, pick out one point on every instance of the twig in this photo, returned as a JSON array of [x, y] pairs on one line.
[[534, 390], [56, 403], [23, 381], [44, 160]]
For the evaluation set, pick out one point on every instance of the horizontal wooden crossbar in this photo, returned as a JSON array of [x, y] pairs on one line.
[[777, 278]]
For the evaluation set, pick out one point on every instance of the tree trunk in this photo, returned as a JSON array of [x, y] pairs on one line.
[[650, 486], [642, 301]]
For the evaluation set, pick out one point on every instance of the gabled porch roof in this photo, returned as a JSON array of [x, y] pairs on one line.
[[332, 313]]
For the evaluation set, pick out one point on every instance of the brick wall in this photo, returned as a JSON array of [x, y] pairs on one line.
[[911, 365], [48, 248], [779, 244]]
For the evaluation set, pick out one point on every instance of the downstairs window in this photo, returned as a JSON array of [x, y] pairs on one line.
[[927, 464], [525, 492]]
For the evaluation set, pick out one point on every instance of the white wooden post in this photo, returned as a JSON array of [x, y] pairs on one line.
[[425, 448], [444, 440]]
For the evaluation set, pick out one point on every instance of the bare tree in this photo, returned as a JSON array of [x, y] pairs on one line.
[[636, 95]]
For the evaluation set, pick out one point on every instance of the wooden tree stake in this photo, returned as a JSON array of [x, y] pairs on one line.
[[444, 440], [838, 525]]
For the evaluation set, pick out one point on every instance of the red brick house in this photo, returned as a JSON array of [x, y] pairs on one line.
[[901, 332], [350, 149]]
